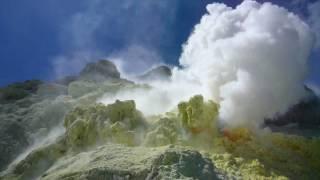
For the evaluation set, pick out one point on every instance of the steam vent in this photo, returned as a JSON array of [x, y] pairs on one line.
[[241, 102]]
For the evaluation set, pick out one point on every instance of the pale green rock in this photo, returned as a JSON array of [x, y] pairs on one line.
[[79, 88], [197, 115], [164, 132], [119, 162], [113, 161], [120, 122], [91, 147]]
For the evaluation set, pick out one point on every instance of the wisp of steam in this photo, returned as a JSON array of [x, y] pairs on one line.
[[252, 60]]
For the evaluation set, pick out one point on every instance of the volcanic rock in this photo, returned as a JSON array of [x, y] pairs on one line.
[[100, 71]]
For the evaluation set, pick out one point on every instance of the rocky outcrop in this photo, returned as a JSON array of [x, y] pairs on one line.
[[78, 151], [98, 124], [198, 116], [114, 161], [117, 142], [165, 131], [119, 162], [32, 108], [100, 71], [101, 76], [194, 124]]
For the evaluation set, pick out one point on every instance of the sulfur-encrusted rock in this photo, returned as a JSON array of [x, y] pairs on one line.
[[243, 153], [164, 132], [120, 162], [113, 161], [198, 116], [193, 125], [119, 122]]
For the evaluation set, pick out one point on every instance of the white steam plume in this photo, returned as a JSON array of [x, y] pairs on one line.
[[252, 58], [162, 97]]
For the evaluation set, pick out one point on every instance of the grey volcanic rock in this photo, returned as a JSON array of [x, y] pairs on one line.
[[119, 122], [100, 71], [158, 73]]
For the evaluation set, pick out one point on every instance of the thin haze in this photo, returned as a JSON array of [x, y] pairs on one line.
[[135, 30]]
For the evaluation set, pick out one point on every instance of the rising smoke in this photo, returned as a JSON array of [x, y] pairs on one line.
[[252, 60]]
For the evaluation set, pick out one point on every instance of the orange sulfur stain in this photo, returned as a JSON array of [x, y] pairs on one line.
[[235, 135]]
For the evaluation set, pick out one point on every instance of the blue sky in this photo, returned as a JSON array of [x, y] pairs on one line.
[[45, 39]]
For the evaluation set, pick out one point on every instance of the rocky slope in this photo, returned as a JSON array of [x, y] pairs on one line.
[[117, 141], [29, 110], [113, 161]]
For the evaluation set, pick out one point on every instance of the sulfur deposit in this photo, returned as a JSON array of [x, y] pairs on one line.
[[120, 122], [167, 147]]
